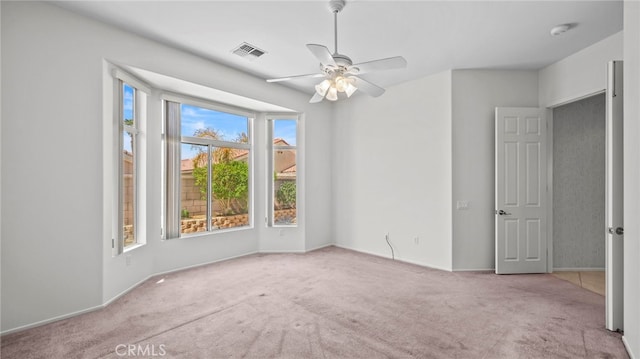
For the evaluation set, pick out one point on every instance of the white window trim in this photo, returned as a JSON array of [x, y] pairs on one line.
[[207, 104], [270, 118], [140, 102], [171, 210]]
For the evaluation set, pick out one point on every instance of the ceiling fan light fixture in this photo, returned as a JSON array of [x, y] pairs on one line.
[[350, 89], [340, 74], [332, 94], [322, 87], [341, 83]]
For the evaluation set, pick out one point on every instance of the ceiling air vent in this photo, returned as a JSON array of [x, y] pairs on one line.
[[248, 51]]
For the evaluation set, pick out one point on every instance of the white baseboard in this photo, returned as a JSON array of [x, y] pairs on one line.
[[397, 259], [628, 348], [51, 320], [320, 247], [296, 250], [275, 251], [474, 270], [578, 269]]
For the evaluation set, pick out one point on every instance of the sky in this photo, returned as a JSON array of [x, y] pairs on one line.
[[228, 126], [193, 118], [285, 129], [128, 113]]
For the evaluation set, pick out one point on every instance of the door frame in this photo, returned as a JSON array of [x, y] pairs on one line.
[[549, 114], [521, 210]]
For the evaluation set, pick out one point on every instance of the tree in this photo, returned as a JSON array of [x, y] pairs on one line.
[[230, 179], [231, 182], [200, 159]]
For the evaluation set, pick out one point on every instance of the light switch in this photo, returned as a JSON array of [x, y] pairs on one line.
[[462, 205]]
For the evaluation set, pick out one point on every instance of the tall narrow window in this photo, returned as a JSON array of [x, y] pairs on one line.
[[130, 165], [283, 166], [215, 170]]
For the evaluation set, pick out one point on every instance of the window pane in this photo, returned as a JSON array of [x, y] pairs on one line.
[[284, 187], [202, 122], [128, 104], [128, 189], [284, 132], [193, 188], [230, 188]]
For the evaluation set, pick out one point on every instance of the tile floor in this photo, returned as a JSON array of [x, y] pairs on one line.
[[593, 281]]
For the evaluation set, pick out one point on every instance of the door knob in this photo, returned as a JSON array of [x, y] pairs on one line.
[[618, 230], [503, 213]]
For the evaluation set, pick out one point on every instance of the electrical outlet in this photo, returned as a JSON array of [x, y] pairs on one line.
[[416, 240], [127, 260], [462, 205]]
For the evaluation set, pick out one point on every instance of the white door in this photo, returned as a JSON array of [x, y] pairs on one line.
[[614, 198], [521, 191]]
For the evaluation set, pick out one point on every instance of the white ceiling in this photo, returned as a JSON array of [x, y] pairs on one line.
[[431, 35]]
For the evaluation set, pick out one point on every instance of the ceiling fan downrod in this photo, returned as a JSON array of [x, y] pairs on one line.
[[336, 6]]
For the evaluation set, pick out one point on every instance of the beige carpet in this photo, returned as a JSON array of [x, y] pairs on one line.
[[333, 303]]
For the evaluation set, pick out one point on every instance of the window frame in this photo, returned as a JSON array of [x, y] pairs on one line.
[[270, 119], [138, 131], [172, 142]]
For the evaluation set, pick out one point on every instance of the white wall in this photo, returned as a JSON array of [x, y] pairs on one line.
[[392, 172], [632, 177], [318, 180], [51, 185], [56, 255], [476, 93], [1, 159], [581, 74]]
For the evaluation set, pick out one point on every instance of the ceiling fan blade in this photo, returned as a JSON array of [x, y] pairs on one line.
[[367, 87], [322, 54], [316, 98], [295, 77], [390, 63]]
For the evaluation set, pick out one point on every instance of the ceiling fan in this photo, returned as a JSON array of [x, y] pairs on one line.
[[339, 72]]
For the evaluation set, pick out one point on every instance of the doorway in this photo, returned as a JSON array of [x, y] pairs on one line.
[[511, 245], [579, 185]]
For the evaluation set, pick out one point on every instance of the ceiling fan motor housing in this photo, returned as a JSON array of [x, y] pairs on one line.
[[342, 60]]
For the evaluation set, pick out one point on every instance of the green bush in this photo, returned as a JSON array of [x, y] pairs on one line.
[[286, 194], [230, 182]]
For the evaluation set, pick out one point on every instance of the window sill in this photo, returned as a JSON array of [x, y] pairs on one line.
[[214, 232], [132, 247]]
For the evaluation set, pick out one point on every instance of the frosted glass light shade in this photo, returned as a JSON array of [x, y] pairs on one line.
[[332, 94], [350, 89], [341, 83], [322, 87]]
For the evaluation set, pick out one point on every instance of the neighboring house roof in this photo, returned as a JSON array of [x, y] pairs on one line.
[[292, 169], [287, 162], [288, 173], [280, 142], [186, 164]]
